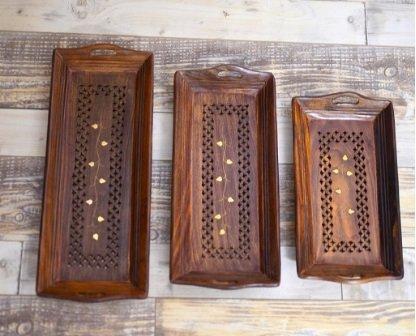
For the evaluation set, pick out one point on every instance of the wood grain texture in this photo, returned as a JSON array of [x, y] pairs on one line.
[[34, 143], [291, 286], [347, 190], [386, 290], [300, 21], [283, 318], [225, 201], [25, 60], [21, 188], [33, 124], [94, 240], [21, 181], [10, 259], [28, 268], [32, 127], [386, 72], [299, 69], [28, 315], [390, 23]]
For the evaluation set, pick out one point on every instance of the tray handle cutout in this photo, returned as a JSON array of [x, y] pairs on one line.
[[229, 73], [104, 49], [346, 100], [103, 52]]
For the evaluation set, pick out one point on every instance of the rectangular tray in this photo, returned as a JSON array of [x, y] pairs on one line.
[[94, 242], [347, 191], [225, 221]]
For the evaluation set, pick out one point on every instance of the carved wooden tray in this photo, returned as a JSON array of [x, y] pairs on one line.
[[347, 191], [95, 223], [225, 227]]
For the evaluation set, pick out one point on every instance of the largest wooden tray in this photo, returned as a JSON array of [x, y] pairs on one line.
[[225, 227], [94, 239]]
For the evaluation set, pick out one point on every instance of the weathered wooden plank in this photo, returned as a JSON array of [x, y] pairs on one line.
[[28, 315], [10, 257], [407, 205], [21, 180], [300, 69], [34, 127], [284, 20], [291, 287], [161, 287], [386, 290], [21, 186], [390, 23], [386, 1], [28, 268], [23, 132], [245, 317], [401, 2]]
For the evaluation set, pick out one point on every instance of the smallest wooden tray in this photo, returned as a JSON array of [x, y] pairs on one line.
[[347, 194]]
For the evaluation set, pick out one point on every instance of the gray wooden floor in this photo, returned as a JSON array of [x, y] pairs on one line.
[[312, 47]]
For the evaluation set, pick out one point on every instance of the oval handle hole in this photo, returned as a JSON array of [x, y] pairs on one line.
[[103, 52], [91, 294], [345, 100], [351, 278], [227, 73]]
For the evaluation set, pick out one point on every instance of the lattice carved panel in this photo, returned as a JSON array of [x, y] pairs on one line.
[[87, 163], [216, 217], [352, 169]]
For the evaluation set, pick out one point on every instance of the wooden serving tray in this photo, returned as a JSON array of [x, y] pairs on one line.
[[94, 242], [225, 227], [347, 191]]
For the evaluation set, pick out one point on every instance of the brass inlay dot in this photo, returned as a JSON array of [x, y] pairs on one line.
[[88, 201], [94, 126], [335, 171], [222, 232], [91, 163], [345, 157], [219, 178], [229, 162], [104, 143], [349, 173], [95, 236], [217, 216], [101, 180], [338, 190], [230, 200], [100, 219], [220, 143], [351, 211]]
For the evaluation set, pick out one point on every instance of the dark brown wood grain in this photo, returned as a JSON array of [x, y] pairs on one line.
[[94, 242], [347, 191], [225, 213]]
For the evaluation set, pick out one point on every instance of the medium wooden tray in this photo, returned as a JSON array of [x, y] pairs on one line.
[[225, 227], [94, 241], [347, 191]]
